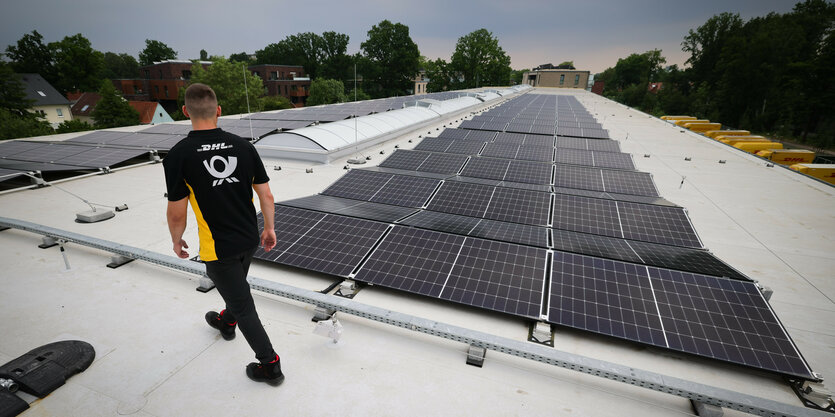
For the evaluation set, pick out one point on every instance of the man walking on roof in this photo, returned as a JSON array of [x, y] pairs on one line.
[[216, 172]]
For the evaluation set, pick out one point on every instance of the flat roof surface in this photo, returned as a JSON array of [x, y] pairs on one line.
[[156, 357]]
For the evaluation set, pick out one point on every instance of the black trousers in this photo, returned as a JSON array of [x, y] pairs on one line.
[[229, 277]]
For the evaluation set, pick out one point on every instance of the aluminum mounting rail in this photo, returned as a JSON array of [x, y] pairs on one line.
[[694, 391]]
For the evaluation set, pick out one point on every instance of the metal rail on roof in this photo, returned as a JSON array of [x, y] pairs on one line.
[[694, 391]]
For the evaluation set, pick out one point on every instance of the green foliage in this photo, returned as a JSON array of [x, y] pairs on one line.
[[516, 76], [75, 125], [324, 91], [31, 55], [275, 103], [155, 51], [113, 110], [480, 60], [78, 65], [119, 66], [12, 94], [320, 55], [390, 60], [227, 79], [567, 64], [360, 95], [13, 125], [240, 57], [440, 74], [204, 55]]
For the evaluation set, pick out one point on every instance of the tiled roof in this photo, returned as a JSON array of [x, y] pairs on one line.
[[41, 91], [85, 104]]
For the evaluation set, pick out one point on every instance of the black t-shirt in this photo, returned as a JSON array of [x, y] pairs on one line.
[[216, 170]]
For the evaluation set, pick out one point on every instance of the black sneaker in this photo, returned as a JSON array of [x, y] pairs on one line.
[[266, 372], [215, 320]]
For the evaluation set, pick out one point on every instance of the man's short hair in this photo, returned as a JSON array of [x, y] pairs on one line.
[[201, 101]]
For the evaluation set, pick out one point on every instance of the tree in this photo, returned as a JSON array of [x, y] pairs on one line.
[[118, 66], [31, 55], [441, 77], [240, 57], [303, 49], [78, 65], [336, 64], [16, 126], [324, 91], [275, 103], [204, 55], [480, 60], [75, 125], [227, 79], [12, 93], [391, 60], [566, 64], [113, 110], [516, 76], [155, 51], [706, 42]]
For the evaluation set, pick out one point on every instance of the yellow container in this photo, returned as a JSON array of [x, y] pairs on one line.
[[733, 140], [824, 172], [754, 147], [677, 118], [788, 156], [715, 133], [702, 127], [682, 122]]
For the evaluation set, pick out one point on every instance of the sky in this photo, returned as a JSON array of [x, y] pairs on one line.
[[592, 33]]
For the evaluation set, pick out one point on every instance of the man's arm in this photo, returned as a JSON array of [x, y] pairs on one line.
[[177, 214], [267, 202]]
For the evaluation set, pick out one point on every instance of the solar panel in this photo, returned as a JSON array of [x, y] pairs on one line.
[[290, 224], [684, 259], [471, 124], [510, 138], [575, 157], [102, 157], [521, 127], [529, 172], [500, 150], [319, 202], [7, 174], [587, 215], [657, 224], [481, 135], [497, 126], [467, 147], [498, 276], [629, 182], [413, 260], [442, 222], [539, 140], [723, 319], [595, 245], [519, 206], [454, 133], [50, 153], [613, 160], [433, 144], [571, 176], [99, 137], [604, 296], [404, 159], [535, 153], [405, 172], [462, 198], [542, 129], [443, 163], [511, 232], [358, 184], [602, 145], [377, 211], [573, 143], [335, 245], [406, 191], [490, 168]]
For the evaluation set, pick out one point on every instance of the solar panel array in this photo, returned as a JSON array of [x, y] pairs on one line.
[[581, 239], [23, 156]]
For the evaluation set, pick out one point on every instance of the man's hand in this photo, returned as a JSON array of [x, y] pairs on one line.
[[178, 248], [268, 239]]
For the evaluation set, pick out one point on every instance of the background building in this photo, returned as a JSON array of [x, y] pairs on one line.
[[556, 77], [284, 80], [48, 102]]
